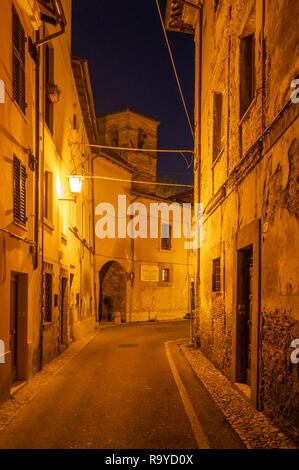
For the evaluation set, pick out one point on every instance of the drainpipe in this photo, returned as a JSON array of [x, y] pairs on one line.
[[263, 65], [37, 147], [197, 188], [94, 245], [39, 183]]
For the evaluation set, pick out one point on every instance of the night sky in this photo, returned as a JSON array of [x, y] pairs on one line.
[[130, 67]]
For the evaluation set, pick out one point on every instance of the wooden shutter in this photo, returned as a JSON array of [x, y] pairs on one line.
[[19, 198], [18, 51]]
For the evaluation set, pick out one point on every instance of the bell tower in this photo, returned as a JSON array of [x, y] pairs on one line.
[[129, 129]]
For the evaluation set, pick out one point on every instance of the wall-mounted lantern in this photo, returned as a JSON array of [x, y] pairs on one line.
[[53, 93], [75, 183]]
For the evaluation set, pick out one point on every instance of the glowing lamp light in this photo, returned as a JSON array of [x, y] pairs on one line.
[[75, 183]]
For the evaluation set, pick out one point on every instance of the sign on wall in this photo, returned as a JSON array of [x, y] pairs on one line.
[[149, 273]]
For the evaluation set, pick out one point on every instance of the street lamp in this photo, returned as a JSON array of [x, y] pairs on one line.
[[75, 183]]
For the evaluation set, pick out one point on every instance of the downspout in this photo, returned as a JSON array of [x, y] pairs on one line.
[[94, 246], [40, 168], [263, 65], [37, 166], [197, 153]]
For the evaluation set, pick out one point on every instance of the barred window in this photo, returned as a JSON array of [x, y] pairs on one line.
[[19, 192], [48, 297], [18, 60], [216, 279], [166, 275]]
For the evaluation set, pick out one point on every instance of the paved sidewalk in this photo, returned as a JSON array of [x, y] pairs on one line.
[[252, 426], [10, 408]]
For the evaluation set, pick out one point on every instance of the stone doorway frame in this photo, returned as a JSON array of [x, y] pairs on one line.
[[249, 236]]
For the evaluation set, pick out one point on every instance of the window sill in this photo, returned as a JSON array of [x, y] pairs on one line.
[[49, 224], [247, 112], [20, 225], [164, 284], [47, 325], [20, 111], [218, 157]]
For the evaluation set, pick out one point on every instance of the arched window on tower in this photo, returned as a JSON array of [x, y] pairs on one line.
[[141, 138], [114, 140]]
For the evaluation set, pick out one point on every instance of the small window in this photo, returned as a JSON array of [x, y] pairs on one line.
[[216, 281], [19, 192], [114, 137], [18, 60], [48, 195], [217, 124], [165, 275], [141, 138], [247, 72], [49, 80], [166, 237], [48, 297]]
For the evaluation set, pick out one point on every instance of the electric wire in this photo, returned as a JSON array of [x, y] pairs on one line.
[[131, 149], [157, 183], [174, 68]]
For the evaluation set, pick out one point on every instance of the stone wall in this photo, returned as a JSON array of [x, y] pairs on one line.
[[254, 180], [279, 377]]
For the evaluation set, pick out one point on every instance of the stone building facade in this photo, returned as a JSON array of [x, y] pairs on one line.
[[140, 279], [246, 177], [46, 235]]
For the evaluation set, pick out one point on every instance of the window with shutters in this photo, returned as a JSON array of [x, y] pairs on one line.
[[19, 192], [18, 60]]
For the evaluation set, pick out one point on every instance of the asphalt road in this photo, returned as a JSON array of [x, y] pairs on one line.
[[120, 392]]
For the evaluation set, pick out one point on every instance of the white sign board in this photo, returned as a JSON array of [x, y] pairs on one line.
[[2, 91], [2, 352], [149, 273]]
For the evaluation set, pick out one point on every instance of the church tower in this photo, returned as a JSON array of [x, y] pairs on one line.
[[129, 129]]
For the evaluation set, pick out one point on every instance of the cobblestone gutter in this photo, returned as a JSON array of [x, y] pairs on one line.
[[15, 403], [252, 426]]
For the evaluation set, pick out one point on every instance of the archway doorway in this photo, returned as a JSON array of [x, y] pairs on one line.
[[112, 299]]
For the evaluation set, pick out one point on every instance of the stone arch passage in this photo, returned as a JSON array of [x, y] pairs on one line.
[[112, 292]]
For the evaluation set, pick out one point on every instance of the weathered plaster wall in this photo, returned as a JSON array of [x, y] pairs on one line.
[[264, 187]]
